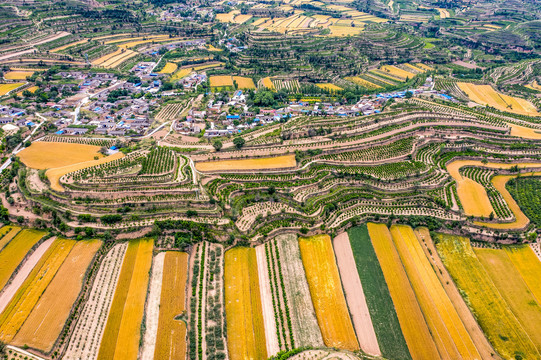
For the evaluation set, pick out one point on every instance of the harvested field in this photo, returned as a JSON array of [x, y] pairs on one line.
[[524, 132], [329, 87], [169, 68], [268, 301], [382, 312], [449, 333], [17, 75], [353, 289], [87, 334], [244, 82], [171, 336], [514, 290], [64, 47], [486, 95], [278, 162], [325, 288], [105, 58], [45, 322], [415, 330], [14, 252], [6, 88], [8, 233], [344, 30], [528, 265], [492, 312], [267, 82], [306, 331], [181, 73], [244, 319], [46, 155], [31, 89], [221, 81], [396, 71], [55, 174], [122, 331], [18, 310]]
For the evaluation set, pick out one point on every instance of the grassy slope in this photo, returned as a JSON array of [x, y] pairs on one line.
[[390, 337]]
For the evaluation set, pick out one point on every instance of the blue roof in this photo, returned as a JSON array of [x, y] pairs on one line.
[[233, 116], [30, 123], [113, 147], [153, 74], [60, 132]]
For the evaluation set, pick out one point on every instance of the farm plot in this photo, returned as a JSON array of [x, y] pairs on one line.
[[221, 81], [244, 82], [170, 112], [528, 265], [152, 307], [492, 312], [329, 87], [278, 162], [449, 333], [398, 72], [355, 295], [47, 155], [85, 339], [382, 312], [45, 322], [305, 329], [55, 174], [486, 95], [514, 291], [267, 82], [14, 252], [16, 313], [171, 336], [245, 328], [524, 132], [325, 288], [169, 68], [8, 233], [363, 83], [6, 88], [412, 322], [17, 75], [122, 331]]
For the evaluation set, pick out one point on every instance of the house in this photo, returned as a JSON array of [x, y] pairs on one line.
[[75, 131]]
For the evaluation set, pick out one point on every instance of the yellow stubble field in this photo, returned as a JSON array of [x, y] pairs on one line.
[[362, 82], [45, 322], [329, 87], [171, 336], [221, 81], [396, 71], [243, 310], [5, 88], [416, 332], [17, 75], [15, 251], [19, 308], [122, 332], [486, 95], [326, 291], [244, 82], [449, 333], [285, 161]]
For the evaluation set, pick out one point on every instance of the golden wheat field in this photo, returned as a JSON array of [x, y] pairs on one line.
[[486, 95], [244, 82], [171, 336], [278, 162], [55, 174], [122, 331], [64, 47], [492, 312], [14, 252], [362, 82], [243, 310], [221, 81], [31, 89], [325, 288], [528, 265], [267, 82], [413, 324], [7, 234], [441, 316], [329, 87], [396, 71], [19, 308], [45, 322], [18, 75], [6, 88], [169, 68], [46, 155]]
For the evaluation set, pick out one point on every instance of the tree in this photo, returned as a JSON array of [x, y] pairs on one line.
[[409, 94], [239, 142], [217, 145]]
